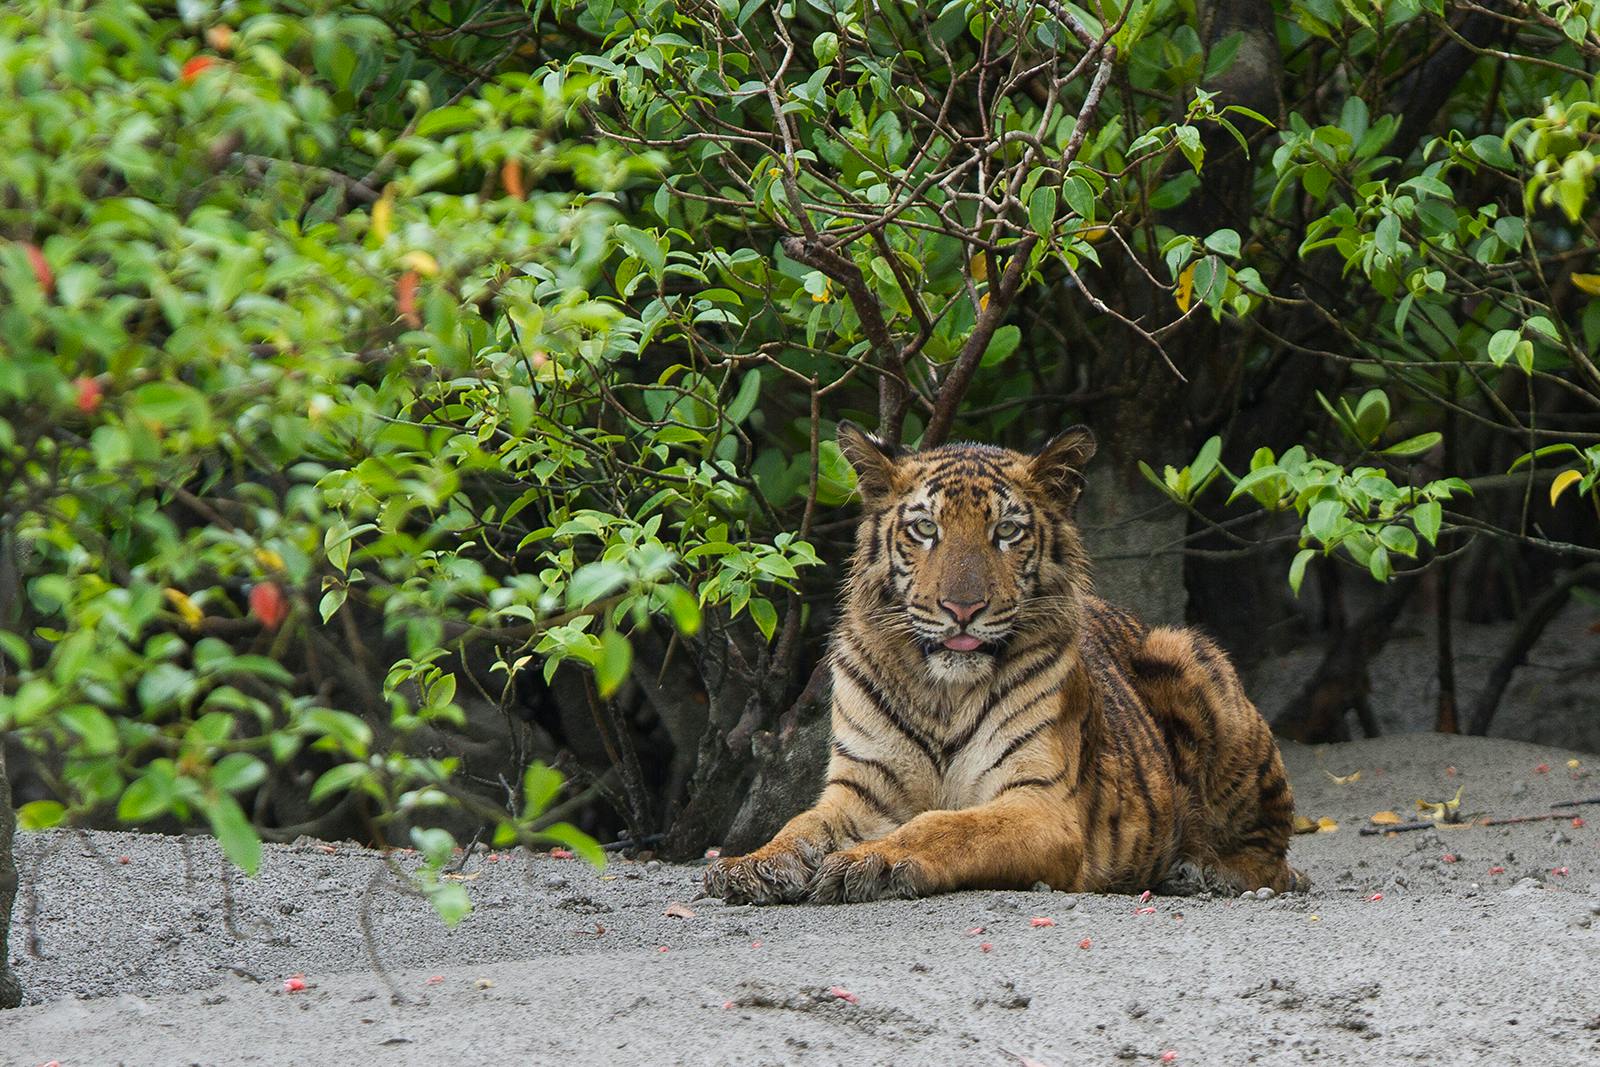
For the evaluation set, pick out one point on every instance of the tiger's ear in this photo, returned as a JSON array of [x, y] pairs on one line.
[[874, 461], [1058, 466]]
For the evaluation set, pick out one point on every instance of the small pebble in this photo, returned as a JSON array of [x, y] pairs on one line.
[[652, 865], [1041, 887], [1265, 893], [555, 881]]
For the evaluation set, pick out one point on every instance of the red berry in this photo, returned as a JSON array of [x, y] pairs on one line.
[[196, 67], [727, 1005], [1085, 943], [41, 268], [88, 394], [294, 985], [1168, 1056], [1577, 822], [985, 947], [1374, 898], [267, 603], [405, 298]]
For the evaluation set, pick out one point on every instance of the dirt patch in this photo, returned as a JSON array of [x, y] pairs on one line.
[[1445, 946]]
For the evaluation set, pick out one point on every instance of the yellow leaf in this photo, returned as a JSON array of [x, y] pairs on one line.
[[1444, 810], [269, 559], [187, 609], [1346, 779], [1303, 825], [983, 302], [980, 267], [1387, 818], [422, 263], [383, 215], [1094, 234], [1326, 825], [1561, 484], [1185, 294], [1589, 283], [1573, 764]]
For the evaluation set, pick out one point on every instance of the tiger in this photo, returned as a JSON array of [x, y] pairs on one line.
[[995, 725]]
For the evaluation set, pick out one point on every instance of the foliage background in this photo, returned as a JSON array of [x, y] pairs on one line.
[[406, 406]]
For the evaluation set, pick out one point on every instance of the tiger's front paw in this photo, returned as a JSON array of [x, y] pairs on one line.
[[766, 876], [867, 873]]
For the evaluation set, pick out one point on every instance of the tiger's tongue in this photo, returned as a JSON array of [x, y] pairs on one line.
[[962, 643]]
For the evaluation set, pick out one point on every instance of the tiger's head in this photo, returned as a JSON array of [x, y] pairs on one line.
[[964, 549]]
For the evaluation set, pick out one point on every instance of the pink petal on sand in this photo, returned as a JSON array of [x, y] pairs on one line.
[[1041, 920], [844, 994]]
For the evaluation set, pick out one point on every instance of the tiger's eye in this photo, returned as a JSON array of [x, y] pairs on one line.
[[926, 529], [1006, 529]]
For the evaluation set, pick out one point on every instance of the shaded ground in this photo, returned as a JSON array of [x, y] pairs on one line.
[[147, 961]]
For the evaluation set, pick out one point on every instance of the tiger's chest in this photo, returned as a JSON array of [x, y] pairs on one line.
[[957, 768]]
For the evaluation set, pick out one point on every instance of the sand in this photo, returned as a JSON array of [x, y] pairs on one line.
[[147, 956]]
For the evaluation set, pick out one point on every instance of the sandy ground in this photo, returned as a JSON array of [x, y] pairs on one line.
[[146, 956]]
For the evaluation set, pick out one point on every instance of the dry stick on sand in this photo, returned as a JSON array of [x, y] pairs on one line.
[[1510, 820]]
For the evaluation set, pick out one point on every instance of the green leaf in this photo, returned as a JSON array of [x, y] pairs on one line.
[[1261, 484], [1387, 236], [337, 779], [594, 581], [1413, 446], [1378, 564], [540, 784], [616, 656], [579, 842], [1224, 241], [765, 616], [1297, 568], [450, 900], [1042, 211], [1399, 540], [235, 834], [1001, 345], [146, 797], [1426, 517], [1501, 346], [1372, 415], [238, 771], [1324, 519], [744, 402], [41, 814], [93, 727]]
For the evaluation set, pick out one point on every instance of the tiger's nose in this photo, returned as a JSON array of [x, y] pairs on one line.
[[963, 611]]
